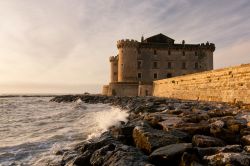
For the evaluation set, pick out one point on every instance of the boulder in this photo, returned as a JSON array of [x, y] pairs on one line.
[[247, 149], [220, 113], [170, 122], [194, 128], [189, 159], [206, 141], [125, 155], [148, 139], [170, 154], [222, 159], [246, 140], [123, 133]]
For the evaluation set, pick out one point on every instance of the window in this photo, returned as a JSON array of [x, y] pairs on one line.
[[139, 75], [169, 65], [183, 65], [196, 54], [169, 75], [155, 65], [169, 52], [155, 75], [139, 64], [139, 51], [155, 52], [196, 65], [183, 53]]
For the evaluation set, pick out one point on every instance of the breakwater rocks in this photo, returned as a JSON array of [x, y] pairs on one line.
[[164, 131]]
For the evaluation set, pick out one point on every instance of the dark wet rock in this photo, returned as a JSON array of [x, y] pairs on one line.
[[194, 128], [235, 125], [247, 149], [100, 155], [182, 136], [123, 133], [189, 159], [208, 151], [206, 141], [170, 122], [195, 118], [170, 154], [246, 140], [222, 159], [219, 113], [125, 155], [148, 139], [245, 131]]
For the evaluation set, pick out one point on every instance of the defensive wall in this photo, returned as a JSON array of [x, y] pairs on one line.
[[230, 84]]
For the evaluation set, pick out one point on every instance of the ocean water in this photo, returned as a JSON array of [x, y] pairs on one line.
[[32, 128]]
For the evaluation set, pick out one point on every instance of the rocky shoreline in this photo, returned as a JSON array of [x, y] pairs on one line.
[[163, 131]]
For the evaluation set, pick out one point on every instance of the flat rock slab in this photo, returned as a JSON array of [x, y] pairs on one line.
[[206, 141], [148, 139], [170, 154]]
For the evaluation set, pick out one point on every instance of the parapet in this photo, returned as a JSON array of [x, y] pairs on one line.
[[113, 58], [210, 46], [127, 43]]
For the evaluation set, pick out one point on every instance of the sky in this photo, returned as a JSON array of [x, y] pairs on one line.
[[63, 46]]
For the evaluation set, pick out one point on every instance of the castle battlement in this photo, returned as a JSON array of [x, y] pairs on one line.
[[127, 43], [112, 58]]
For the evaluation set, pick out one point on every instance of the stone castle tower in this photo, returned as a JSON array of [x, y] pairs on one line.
[[138, 64]]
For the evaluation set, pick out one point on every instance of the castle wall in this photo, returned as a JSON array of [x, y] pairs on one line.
[[123, 89], [170, 62], [127, 63], [145, 90], [224, 85], [113, 69], [105, 90]]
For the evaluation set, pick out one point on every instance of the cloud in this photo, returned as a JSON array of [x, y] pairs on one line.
[[69, 42]]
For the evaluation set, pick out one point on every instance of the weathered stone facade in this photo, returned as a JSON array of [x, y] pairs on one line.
[[227, 85], [138, 64]]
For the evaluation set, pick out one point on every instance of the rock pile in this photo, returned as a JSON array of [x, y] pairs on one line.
[[164, 131]]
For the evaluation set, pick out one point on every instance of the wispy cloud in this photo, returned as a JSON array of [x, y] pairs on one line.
[[69, 42]]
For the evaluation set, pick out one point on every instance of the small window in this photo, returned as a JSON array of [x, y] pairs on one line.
[[183, 53], [169, 52], [139, 64], [183, 65], [169, 65], [196, 54], [155, 65], [139, 75], [196, 65], [169, 75], [155, 75], [155, 52]]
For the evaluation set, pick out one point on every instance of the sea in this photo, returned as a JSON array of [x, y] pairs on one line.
[[32, 129]]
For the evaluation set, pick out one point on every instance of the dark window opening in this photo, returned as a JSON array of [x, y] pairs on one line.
[[195, 53], [169, 75], [183, 53], [155, 52], [139, 75], [169, 65], [139, 64], [183, 65], [169, 52], [196, 65], [146, 93], [155, 65], [139, 51], [155, 75]]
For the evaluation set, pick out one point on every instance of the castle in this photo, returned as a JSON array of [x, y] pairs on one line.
[[138, 64]]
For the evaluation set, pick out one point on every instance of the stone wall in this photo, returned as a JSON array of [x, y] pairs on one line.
[[227, 85], [123, 89]]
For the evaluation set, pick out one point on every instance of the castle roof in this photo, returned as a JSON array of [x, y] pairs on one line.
[[159, 38]]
